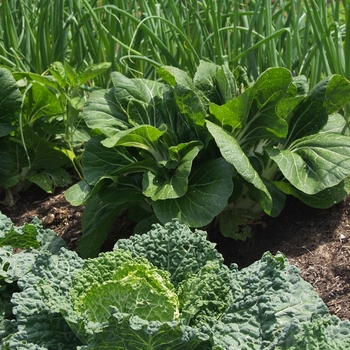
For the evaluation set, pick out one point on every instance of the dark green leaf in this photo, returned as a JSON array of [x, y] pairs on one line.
[[210, 186]]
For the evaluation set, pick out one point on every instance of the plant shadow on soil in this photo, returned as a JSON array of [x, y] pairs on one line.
[[316, 241]]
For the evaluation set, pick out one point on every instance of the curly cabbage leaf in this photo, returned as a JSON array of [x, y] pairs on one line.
[[166, 289], [173, 248], [133, 286]]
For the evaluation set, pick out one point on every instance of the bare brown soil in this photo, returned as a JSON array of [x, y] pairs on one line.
[[316, 241]]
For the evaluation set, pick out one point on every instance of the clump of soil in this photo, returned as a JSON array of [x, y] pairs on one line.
[[316, 241]]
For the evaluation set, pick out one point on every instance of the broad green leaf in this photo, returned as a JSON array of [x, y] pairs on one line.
[[126, 190], [103, 113], [81, 192], [46, 80], [226, 83], [10, 102], [174, 76], [336, 124], [229, 115], [100, 161], [321, 200], [210, 186], [261, 120], [8, 168], [58, 71], [126, 90], [96, 222], [71, 73], [78, 193], [92, 71], [145, 137], [49, 179], [310, 115], [253, 114], [139, 99], [235, 223], [172, 183], [301, 84], [337, 94], [271, 86], [190, 101], [190, 105], [314, 163], [216, 83], [45, 154], [233, 153]]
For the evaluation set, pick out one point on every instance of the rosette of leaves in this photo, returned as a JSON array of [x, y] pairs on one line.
[[164, 289], [208, 149], [151, 152]]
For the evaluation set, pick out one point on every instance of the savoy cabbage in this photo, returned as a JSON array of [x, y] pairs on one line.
[[166, 289]]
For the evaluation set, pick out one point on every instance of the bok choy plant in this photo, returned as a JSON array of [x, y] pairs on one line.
[[210, 149], [42, 131]]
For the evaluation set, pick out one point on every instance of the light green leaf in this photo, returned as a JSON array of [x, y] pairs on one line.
[[78, 193], [314, 163], [233, 153], [172, 183], [133, 286], [210, 186], [336, 124], [58, 71], [144, 136], [229, 115], [216, 83], [138, 99], [92, 71], [226, 83], [253, 115], [174, 76]]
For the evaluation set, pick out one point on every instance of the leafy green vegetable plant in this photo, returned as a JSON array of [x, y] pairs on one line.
[[209, 148], [167, 288], [41, 126]]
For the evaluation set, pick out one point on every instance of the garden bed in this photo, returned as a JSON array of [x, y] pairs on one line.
[[316, 241]]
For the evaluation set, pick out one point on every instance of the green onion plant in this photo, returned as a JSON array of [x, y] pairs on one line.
[[138, 36]]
